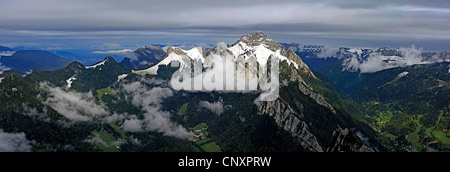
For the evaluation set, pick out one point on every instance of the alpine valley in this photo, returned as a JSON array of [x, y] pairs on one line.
[[338, 105]]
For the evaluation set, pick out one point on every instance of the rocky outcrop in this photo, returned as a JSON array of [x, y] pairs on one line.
[[345, 140], [286, 118], [305, 89], [315, 96], [175, 50]]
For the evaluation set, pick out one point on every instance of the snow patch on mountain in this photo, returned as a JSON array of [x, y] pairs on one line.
[[97, 64], [70, 81], [120, 77], [195, 54], [171, 57]]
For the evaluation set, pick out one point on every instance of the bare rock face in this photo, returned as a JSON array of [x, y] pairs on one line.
[[345, 140], [290, 121], [305, 89], [175, 50], [255, 38]]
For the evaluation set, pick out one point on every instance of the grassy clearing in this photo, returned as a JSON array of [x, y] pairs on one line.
[[211, 147], [183, 109], [442, 137], [203, 141], [118, 130], [104, 91], [106, 142], [206, 144]]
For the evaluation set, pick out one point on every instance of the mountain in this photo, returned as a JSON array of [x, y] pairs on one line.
[[144, 57], [109, 107], [305, 101], [67, 54], [26, 60], [84, 78], [320, 56]]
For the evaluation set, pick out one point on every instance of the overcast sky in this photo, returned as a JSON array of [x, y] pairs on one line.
[[130, 23]]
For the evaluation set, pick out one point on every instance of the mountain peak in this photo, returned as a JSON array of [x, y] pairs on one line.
[[152, 47], [109, 58], [75, 65], [255, 38], [175, 50], [106, 60]]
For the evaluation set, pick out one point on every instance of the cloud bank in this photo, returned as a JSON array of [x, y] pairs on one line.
[[79, 107], [73, 105], [220, 20], [328, 51], [124, 51], [149, 101], [14, 142]]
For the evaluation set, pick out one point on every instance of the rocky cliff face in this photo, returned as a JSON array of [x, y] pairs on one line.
[[345, 140], [290, 121], [305, 89]]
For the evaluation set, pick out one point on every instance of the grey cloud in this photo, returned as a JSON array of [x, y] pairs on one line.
[[73, 105], [3, 68], [328, 18], [96, 139], [215, 107], [14, 142], [120, 52], [77, 106], [149, 100], [132, 125], [328, 51], [35, 113]]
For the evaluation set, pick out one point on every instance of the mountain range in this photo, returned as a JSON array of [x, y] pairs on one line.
[[131, 106], [26, 60]]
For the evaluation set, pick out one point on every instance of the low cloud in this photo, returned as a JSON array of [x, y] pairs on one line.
[[77, 106], [132, 125], [215, 107], [96, 139], [14, 142], [3, 68], [123, 51], [132, 56], [73, 105], [149, 100], [35, 113], [328, 51]]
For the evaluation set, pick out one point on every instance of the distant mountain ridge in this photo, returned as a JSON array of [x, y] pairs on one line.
[[144, 57], [2, 48], [26, 60], [320, 56]]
